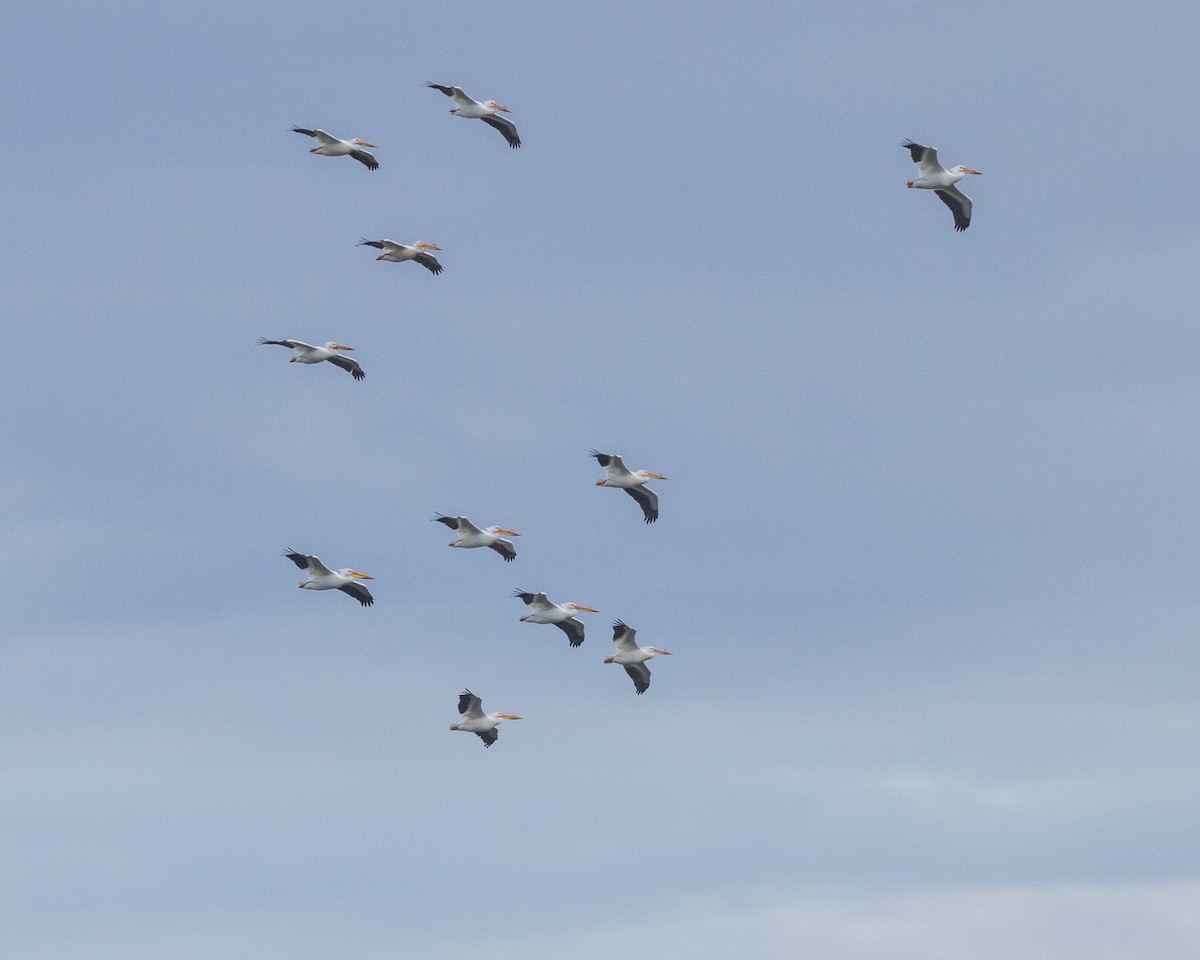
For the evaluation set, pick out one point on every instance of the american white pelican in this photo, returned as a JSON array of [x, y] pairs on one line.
[[399, 252], [559, 614], [475, 721], [320, 577], [307, 353], [470, 535], [333, 147], [632, 657], [941, 181], [486, 111], [632, 483]]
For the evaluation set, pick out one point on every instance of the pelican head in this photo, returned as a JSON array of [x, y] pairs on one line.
[[422, 245], [362, 143], [647, 475], [347, 572], [659, 653], [961, 169], [579, 607], [337, 346], [502, 530], [508, 716], [493, 105]]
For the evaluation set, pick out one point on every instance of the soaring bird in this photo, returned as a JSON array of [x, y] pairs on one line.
[[470, 535], [935, 177], [333, 147], [486, 111], [307, 353], [632, 483], [632, 657], [475, 721], [399, 252], [559, 614], [320, 577]]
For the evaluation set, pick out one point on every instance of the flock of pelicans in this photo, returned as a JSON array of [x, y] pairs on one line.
[[932, 176]]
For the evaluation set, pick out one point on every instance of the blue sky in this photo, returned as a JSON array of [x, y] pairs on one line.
[[927, 558]]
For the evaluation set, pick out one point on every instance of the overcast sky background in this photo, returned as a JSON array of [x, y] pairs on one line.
[[927, 558]]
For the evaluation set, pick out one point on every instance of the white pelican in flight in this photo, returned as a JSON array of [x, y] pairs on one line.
[[320, 577], [935, 177], [470, 535], [632, 483], [486, 111], [559, 614], [632, 657], [307, 353], [475, 721], [333, 147], [399, 252]]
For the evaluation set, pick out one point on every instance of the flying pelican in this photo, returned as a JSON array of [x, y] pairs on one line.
[[333, 147], [320, 577], [632, 657], [475, 721], [486, 111], [398, 252], [632, 483], [470, 535], [941, 181], [559, 614], [307, 353]]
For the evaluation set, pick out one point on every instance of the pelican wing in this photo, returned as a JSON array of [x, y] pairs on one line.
[[488, 736], [358, 592], [623, 637], [454, 523], [639, 673], [386, 245], [351, 366], [505, 548], [456, 93], [959, 204], [506, 127], [322, 137], [613, 465], [366, 159], [537, 600], [429, 263], [293, 344], [573, 629], [647, 499], [925, 158], [469, 706], [312, 564]]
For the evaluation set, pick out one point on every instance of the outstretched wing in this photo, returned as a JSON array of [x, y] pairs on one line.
[[959, 204], [312, 564], [429, 263], [573, 629], [366, 159], [358, 592], [639, 673], [452, 522], [293, 344], [647, 499], [505, 548], [470, 707], [623, 637], [488, 736], [924, 157], [532, 598], [322, 137], [455, 92], [506, 127], [351, 366]]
